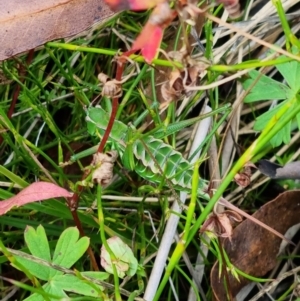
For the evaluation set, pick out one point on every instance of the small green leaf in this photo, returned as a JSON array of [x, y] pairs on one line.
[[291, 73], [69, 248], [96, 275], [34, 297], [265, 89], [278, 138], [73, 284], [283, 135], [38, 270], [37, 242], [38, 245], [287, 133], [53, 290], [263, 119], [126, 263]]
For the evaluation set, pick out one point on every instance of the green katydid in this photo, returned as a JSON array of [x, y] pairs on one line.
[[134, 147]]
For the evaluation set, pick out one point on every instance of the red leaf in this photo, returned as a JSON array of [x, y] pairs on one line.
[[148, 41], [37, 191], [150, 38], [117, 5]]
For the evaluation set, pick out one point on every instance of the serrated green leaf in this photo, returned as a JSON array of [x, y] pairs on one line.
[[287, 133], [96, 275], [263, 119], [38, 270], [69, 248], [71, 283], [61, 283], [34, 297], [38, 245], [53, 290], [278, 138], [291, 73], [283, 135], [37, 242], [265, 89]]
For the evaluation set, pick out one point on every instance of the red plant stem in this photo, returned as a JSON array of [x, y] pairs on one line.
[[115, 105], [81, 231], [73, 204], [115, 102], [73, 201]]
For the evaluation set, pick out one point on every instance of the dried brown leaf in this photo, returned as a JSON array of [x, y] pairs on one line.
[[180, 80], [243, 178], [220, 224], [168, 93], [27, 24], [254, 249], [172, 89]]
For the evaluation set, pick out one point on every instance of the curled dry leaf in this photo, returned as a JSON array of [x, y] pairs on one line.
[[111, 87], [171, 90], [38, 191], [220, 225], [181, 80], [243, 178], [253, 249], [274, 171], [27, 24], [104, 164]]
